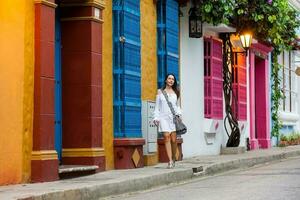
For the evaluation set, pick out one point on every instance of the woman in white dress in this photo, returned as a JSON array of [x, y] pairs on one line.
[[163, 117]]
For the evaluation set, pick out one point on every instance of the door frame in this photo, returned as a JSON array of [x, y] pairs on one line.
[[58, 87], [261, 52]]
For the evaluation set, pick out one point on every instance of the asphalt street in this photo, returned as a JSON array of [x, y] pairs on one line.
[[273, 181]]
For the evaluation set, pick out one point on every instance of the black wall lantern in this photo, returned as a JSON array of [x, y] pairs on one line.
[[195, 24]]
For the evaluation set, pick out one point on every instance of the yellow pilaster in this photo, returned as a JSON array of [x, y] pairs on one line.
[[107, 75], [149, 58], [148, 49], [28, 89]]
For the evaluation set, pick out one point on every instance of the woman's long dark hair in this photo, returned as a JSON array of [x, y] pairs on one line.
[[174, 86]]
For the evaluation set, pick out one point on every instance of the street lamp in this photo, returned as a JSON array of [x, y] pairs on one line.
[[246, 40]]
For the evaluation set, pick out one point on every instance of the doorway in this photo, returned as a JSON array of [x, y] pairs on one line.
[[259, 100], [58, 87]]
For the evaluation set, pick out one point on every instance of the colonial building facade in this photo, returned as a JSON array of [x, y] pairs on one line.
[[79, 79]]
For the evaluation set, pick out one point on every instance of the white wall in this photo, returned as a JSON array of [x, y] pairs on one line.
[[195, 141], [192, 96]]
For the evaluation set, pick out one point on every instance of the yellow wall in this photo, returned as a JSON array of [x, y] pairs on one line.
[[149, 59], [107, 76], [148, 50], [16, 89]]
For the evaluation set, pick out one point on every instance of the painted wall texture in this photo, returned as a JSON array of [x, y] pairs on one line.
[[148, 68], [148, 50], [107, 105], [16, 89], [192, 96], [199, 141]]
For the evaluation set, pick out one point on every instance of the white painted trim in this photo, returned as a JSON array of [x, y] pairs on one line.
[[219, 28]]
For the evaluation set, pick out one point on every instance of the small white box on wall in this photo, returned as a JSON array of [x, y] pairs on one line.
[[213, 128]]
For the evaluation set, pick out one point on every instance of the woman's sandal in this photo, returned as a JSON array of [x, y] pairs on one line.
[[171, 165]]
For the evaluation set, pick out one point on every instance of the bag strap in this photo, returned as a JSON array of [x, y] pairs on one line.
[[169, 103]]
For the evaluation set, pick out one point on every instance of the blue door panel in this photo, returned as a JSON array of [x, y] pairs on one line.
[[117, 69], [133, 121], [172, 63], [161, 69], [132, 57], [132, 88], [132, 5], [118, 129], [161, 41], [131, 27], [127, 68]]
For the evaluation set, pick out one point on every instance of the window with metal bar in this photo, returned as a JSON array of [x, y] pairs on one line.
[[289, 61]]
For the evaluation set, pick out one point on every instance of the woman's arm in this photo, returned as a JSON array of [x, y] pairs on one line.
[[157, 107], [178, 108]]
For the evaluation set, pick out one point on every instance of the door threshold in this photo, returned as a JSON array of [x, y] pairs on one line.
[[71, 171]]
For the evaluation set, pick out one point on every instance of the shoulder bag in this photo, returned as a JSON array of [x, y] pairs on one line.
[[179, 125]]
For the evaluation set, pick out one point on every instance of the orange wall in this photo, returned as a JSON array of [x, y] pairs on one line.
[[16, 89]]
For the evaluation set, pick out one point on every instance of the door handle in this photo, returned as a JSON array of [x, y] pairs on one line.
[[122, 39]]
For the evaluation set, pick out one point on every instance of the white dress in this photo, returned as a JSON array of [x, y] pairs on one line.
[[163, 114]]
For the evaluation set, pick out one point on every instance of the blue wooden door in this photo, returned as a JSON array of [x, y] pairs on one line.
[[172, 37], [167, 39], [127, 68], [161, 41], [58, 100]]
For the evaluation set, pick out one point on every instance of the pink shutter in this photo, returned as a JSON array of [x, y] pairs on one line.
[[240, 86], [213, 78]]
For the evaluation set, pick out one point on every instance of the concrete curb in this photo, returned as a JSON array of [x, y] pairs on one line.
[[247, 162], [164, 178], [104, 190], [237, 164]]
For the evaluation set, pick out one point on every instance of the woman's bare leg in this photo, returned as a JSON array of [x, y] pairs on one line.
[[168, 145], [173, 146]]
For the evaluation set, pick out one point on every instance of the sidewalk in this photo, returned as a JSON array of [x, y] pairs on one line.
[[121, 181]]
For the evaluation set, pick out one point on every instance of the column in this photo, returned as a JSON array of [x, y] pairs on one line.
[[253, 140], [44, 162]]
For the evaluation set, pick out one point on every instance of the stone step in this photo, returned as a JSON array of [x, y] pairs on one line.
[[70, 171]]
